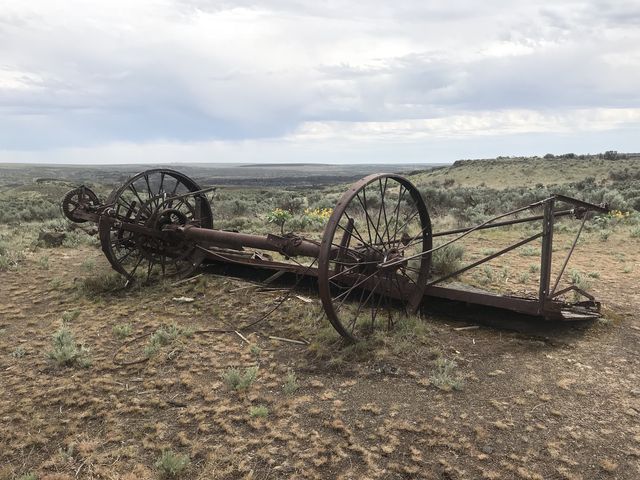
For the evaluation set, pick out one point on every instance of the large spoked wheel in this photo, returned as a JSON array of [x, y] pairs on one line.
[[371, 266], [153, 199]]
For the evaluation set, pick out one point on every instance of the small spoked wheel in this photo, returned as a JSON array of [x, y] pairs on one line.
[[81, 197], [153, 199], [375, 255]]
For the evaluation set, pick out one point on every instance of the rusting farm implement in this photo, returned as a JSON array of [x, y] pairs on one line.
[[373, 260]]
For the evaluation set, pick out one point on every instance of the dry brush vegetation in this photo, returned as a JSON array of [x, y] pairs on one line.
[[101, 382]]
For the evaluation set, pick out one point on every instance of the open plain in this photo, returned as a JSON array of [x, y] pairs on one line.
[[151, 390]]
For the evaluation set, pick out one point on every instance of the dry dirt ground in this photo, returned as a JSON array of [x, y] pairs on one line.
[[539, 403]]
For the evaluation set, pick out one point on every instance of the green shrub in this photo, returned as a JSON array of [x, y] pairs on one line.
[[18, 352], [293, 203], [237, 380], [484, 275], [259, 411], [171, 464], [28, 476], [448, 259], [529, 251], [291, 384], [43, 262], [88, 265], [122, 331], [66, 352], [578, 280], [443, 376], [279, 217], [68, 317], [10, 259], [78, 237], [161, 337]]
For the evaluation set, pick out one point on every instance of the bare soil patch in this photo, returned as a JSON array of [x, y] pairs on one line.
[[548, 402]]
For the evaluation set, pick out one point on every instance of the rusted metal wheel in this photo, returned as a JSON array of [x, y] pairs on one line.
[[153, 199], [79, 198], [371, 269]]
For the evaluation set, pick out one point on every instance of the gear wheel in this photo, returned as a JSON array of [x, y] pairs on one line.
[[81, 197]]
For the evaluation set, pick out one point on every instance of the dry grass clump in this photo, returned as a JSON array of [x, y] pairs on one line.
[[9, 257], [100, 284]]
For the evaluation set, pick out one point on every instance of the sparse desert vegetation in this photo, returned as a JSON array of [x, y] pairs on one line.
[[100, 381]]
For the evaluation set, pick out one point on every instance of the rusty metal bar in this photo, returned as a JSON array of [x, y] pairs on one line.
[[290, 246], [527, 306], [566, 260], [579, 203], [573, 288], [547, 251], [559, 213], [486, 259]]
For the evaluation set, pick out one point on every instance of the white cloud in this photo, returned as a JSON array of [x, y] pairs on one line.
[[85, 74], [509, 122]]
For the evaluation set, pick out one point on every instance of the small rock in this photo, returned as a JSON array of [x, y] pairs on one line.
[[495, 373], [487, 449]]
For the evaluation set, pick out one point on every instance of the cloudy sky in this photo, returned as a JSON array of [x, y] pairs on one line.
[[129, 81]]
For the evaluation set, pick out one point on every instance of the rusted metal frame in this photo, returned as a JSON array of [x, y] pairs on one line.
[[545, 202], [579, 203], [547, 254], [566, 260], [527, 306], [467, 232], [575, 289], [486, 259], [559, 213]]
